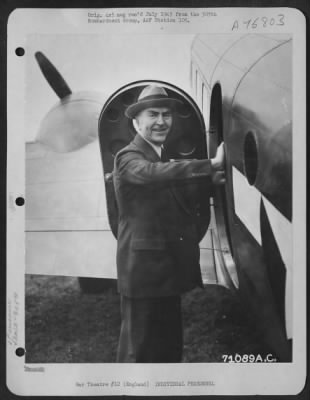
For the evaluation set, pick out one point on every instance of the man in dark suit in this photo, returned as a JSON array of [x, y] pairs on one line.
[[158, 245]]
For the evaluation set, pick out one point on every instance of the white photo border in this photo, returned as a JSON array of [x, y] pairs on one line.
[[226, 379]]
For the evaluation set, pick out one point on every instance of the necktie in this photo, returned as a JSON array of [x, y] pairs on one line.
[[164, 156]]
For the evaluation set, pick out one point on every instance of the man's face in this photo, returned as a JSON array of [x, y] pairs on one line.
[[154, 124]]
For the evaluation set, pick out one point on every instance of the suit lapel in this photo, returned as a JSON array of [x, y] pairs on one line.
[[152, 156]]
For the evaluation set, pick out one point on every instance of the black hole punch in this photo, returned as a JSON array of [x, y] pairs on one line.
[[20, 201], [20, 51], [20, 352], [250, 157]]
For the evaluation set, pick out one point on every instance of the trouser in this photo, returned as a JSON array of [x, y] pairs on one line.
[[151, 330]]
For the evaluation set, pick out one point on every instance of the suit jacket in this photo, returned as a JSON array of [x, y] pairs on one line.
[[158, 243]]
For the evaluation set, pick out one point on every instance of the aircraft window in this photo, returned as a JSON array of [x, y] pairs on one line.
[[184, 111], [128, 98], [113, 114], [250, 157], [185, 147]]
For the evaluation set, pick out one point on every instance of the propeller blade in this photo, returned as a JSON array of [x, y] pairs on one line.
[[53, 77]]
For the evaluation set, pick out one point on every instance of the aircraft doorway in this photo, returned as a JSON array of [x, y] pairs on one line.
[[186, 140], [221, 230]]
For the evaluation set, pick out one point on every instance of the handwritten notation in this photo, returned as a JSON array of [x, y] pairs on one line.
[[259, 22]]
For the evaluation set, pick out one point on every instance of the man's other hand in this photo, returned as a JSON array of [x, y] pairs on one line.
[[218, 161]]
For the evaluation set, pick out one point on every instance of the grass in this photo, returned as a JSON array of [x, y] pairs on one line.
[[64, 325]]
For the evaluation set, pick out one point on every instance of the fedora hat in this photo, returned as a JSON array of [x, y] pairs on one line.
[[151, 96]]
